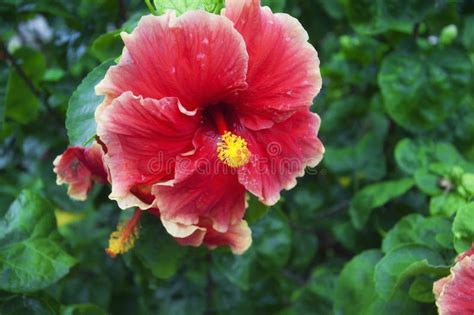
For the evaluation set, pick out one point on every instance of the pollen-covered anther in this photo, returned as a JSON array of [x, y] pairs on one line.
[[123, 239], [232, 150]]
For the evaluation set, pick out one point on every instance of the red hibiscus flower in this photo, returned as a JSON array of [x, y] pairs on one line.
[[204, 107], [455, 293]]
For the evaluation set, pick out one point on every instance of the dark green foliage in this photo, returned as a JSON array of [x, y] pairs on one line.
[[80, 121], [366, 232]]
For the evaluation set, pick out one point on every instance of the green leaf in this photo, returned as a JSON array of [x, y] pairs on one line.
[[446, 204], [362, 49], [317, 296], [272, 239], [374, 196], [132, 22], [377, 16], [467, 181], [355, 290], [422, 289], [304, 249], [404, 262], [33, 264], [180, 298], [448, 34], [53, 74], [4, 73], [269, 252], [400, 303], [256, 210], [80, 122], [351, 238], [82, 309], [181, 6], [363, 157], [16, 225], [89, 285], [427, 182], [238, 269], [433, 232], [30, 258], [463, 228], [275, 5], [411, 155], [157, 250], [28, 305], [107, 46], [56, 8], [21, 103], [333, 8], [468, 33], [421, 90]]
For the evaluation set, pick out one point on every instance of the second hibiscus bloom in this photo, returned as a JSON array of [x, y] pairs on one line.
[[201, 109]]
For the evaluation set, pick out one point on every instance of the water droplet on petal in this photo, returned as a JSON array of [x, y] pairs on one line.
[[205, 41], [200, 56]]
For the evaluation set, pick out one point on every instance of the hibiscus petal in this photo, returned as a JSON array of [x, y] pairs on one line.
[[280, 154], [238, 237], [187, 234], [283, 71], [143, 137], [455, 293], [78, 167], [197, 57], [203, 188]]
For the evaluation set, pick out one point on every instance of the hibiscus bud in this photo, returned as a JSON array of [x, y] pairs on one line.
[[79, 167]]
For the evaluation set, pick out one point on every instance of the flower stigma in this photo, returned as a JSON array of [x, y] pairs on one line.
[[232, 150], [123, 239]]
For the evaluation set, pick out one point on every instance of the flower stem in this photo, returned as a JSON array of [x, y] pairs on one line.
[[150, 7]]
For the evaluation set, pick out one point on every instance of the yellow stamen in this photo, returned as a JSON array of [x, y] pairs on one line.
[[232, 150], [123, 239]]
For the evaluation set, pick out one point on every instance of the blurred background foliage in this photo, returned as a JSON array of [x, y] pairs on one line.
[[367, 232]]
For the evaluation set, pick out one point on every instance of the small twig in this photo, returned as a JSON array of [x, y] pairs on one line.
[[334, 209], [122, 12], [20, 34], [19, 70], [294, 277], [416, 30]]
